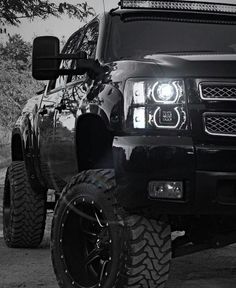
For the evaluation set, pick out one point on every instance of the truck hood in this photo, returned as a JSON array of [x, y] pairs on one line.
[[184, 66]]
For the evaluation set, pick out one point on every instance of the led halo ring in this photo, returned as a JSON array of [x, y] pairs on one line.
[[166, 127], [167, 101]]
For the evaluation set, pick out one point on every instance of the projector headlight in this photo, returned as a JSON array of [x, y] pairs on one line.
[[155, 103], [165, 92]]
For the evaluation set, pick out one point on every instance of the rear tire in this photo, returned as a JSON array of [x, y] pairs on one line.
[[136, 250], [24, 209]]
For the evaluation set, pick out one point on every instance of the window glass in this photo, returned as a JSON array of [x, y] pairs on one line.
[[145, 38], [71, 47], [82, 40], [89, 42], [88, 45]]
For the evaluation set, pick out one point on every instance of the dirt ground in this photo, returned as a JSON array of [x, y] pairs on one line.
[[25, 268]]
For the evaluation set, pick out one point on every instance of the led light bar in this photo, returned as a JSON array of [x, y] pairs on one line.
[[179, 5]]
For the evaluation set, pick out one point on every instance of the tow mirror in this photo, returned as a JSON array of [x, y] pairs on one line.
[[47, 59], [45, 65]]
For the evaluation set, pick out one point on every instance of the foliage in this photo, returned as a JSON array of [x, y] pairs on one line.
[[16, 50], [16, 82], [11, 11]]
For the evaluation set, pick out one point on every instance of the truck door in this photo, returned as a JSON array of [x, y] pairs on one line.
[[59, 108]]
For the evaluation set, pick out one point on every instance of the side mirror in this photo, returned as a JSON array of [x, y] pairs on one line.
[[47, 59], [46, 62]]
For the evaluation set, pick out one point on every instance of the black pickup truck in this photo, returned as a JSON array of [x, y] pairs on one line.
[[136, 134]]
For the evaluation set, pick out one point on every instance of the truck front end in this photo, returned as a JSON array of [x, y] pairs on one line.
[[175, 65]]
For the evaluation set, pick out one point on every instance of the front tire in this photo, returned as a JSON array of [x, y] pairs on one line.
[[149, 252], [95, 243], [24, 209]]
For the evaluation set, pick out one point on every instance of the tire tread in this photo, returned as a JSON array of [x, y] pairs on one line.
[[28, 210], [149, 250], [146, 254]]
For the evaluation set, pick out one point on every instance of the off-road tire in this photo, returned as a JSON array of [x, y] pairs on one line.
[[149, 252], [24, 209], [93, 188], [141, 248]]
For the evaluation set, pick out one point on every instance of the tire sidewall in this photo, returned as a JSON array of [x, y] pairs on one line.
[[27, 209], [7, 196], [90, 193]]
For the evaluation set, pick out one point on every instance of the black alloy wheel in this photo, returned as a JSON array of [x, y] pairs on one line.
[[86, 244], [87, 233], [95, 243]]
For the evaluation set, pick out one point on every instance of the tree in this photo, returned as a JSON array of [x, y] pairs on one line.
[[16, 82], [12, 11], [16, 50]]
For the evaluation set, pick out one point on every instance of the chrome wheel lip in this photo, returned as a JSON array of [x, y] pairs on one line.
[[103, 224]]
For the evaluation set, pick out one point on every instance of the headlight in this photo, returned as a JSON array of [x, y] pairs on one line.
[[155, 103], [165, 92]]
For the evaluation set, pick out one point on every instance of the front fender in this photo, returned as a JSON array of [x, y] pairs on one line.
[[107, 104], [25, 128]]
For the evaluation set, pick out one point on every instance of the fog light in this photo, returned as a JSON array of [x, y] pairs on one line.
[[165, 189]]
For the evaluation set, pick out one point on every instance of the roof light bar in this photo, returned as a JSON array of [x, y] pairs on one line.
[[179, 5]]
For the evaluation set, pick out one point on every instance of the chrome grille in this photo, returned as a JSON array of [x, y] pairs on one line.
[[220, 124], [218, 91]]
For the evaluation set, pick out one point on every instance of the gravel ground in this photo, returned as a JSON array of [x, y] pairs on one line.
[[25, 268]]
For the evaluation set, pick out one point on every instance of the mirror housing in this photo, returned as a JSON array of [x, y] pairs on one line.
[[47, 59], [46, 62]]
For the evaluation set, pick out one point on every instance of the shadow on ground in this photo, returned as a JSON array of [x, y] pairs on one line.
[[32, 268]]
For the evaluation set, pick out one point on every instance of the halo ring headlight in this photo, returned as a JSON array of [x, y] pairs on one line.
[[166, 126], [165, 93]]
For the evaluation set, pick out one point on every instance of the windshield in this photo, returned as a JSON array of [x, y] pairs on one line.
[[144, 39]]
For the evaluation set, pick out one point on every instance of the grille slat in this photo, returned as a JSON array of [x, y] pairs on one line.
[[220, 124], [218, 91]]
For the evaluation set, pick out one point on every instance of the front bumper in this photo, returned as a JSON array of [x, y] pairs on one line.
[[141, 159]]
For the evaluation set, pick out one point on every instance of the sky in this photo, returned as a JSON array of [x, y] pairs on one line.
[[57, 27], [65, 26]]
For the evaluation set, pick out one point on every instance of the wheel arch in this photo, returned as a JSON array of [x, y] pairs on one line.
[[21, 151], [17, 147], [93, 142]]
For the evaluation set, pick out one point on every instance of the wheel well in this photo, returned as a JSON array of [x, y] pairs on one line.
[[93, 143], [16, 148]]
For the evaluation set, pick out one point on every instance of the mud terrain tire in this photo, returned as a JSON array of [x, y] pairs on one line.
[[138, 250], [149, 252], [24, 210]]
